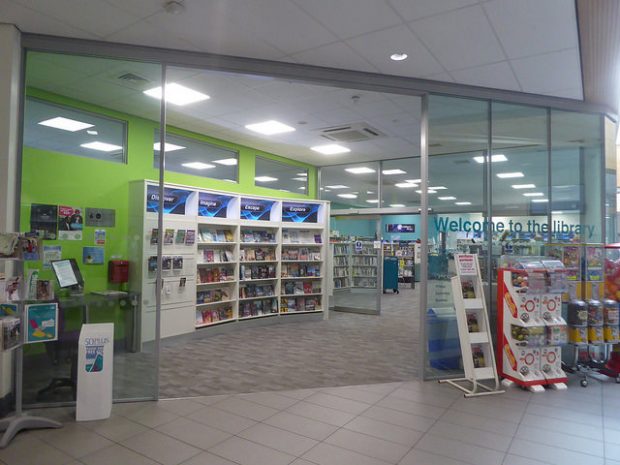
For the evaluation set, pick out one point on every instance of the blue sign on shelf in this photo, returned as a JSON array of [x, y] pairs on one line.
[[256, 209], [296, 212], [213, 205], [175, 200]]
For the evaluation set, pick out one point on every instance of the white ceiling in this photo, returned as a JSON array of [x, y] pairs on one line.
[[525, 45]]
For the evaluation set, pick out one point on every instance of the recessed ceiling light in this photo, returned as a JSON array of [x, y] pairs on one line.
[[65, 124], [265, 179], [369, 192], [555, 212], [328, 190], [447, 198], [540, 200], [430, 191], [348, 196], [198, 165], [372, 201], [300, 179], [524, 186], [515, 174], [177, 94], [269, 128], [405, 185], [413, 181], [302, 174], [462, 203], [226, 161], [398, 56], [338, 186], [438, 188], [302, 188], [397, 205], [494, 158], [360, 170], [533, 194], [394, 171], [101, 146], [168, 147], [330, 149], [92, 132]]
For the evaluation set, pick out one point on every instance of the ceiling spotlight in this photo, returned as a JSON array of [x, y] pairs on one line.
[[398, 56]]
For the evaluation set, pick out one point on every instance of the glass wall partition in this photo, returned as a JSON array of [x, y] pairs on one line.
[[88, 135]]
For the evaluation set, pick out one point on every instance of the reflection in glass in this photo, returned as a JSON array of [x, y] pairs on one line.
[[351, 186], [282, 176]]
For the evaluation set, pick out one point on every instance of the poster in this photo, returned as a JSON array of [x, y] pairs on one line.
[[92, 255], [43, 220], [300, 212], [42, 323], [99, 236], [51, 253], [466, 264], [256, 209], [70, 223], [175, 200], [213, 205]]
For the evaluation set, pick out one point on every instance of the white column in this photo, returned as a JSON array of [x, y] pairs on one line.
[[10, 66]]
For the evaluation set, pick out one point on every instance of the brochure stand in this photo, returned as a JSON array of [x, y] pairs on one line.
[[474, 331]]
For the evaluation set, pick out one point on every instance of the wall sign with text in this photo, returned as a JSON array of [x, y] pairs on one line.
[[400, 228], [175, 200], [213, 205], [296, 212], [256, 209]]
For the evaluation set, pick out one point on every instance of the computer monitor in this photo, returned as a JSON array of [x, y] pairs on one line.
[[68, 274]]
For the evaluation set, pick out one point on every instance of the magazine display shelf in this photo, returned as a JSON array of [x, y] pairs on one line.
[[234, 257]]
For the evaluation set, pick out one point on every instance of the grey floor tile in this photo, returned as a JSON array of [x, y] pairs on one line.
[[566, 415], [276, 438], [302, 462], [320, 413], [115, 455], [384, 388], [222, 420], [210, 400], [394, 417], [421, 457], [459, 450], [327, 454], [338, 403], [245, 408], [303, 426], [75, 440], [151, 416], [551, 455], [115, 428], [299, 394], [206, 458], [193, 433], [368, 445], [476, 421], [437, 399], [561, 440], [160, 447], [563, 401], [563, 426], [270, 399], [349, 392], [471, 435], [402, 405], [517, 460], [247, 452], [488, 411], [180, 406], [27, 449], [379, 429]]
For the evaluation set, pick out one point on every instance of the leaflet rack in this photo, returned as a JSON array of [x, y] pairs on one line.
[[474, 331]]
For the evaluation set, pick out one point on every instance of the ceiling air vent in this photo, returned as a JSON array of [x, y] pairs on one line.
[[356, 132], [132, 78]]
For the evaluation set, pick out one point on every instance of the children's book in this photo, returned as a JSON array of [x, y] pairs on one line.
[[10, 333], [228, 235], [154, 235], [190, 237], [180, 239], [168, 236]]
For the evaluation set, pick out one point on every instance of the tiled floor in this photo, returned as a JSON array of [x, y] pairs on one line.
[[405, 423]]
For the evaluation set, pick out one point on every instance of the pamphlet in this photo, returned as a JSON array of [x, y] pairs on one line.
[[93, 255], [100, 236], [42, 322], [51, 253], [70, 223]]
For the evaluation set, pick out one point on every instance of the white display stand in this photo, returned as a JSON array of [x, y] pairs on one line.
[[474, 330], [95, 365]]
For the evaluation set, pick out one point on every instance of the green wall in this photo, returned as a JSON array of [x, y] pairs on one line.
[[61, 179]]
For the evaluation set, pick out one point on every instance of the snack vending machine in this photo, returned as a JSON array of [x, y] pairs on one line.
[[531, 329]]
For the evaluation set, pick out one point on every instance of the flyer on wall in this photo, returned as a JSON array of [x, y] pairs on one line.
[[43, 220], [50, 254], [70, 223], [92, 255], [100, 236], [42, 323]]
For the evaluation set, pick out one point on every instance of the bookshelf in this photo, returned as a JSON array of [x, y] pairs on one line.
[[364, 263], [342, 265]]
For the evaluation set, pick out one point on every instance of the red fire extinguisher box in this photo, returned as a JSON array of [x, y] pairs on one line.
[[118, 271]]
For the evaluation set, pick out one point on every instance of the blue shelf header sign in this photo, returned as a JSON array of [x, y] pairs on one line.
[[175, 200], [213, 205], [296, 212], [256, 209]]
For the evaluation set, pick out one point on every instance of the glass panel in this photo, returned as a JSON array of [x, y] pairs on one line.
[[82, 209], [281, 176], [458, 136], [350, 186], [400, 183], [611, 182], [196, 157]]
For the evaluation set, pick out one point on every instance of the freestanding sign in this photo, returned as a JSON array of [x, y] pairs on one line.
[[94, 380]]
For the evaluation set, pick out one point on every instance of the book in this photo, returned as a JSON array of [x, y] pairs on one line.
[[307, 287], [166, 263], [45, 290], [152, 264], [208, 255], [289, 287], [318, 239], [229, 255], [13, 289], [190, 237], [229, 236], [250, 255], [294, 235], [180, 238], [220, 235], [154, 236], [168, 236], [10, 332], [299, 289], [177, 263]]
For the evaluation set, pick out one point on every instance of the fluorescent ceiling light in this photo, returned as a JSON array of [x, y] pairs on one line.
[[92, 132], [533, 194], [65, 124], [540, 200], [102, 146], [177, 94], [524, 186], [369, 192], [413, 181], [265, 179], [557, 212], [515, 174], [462, 203], [337, 186], [226, 161], [269, 128], [328, 190], [168, 147], [394, 171], [447, 198], [438, 188], [494, 158], [330, 149], [360, 170], [198, 165], [302, 174], [430, 191], [302, 187], [372, 201], [348, 196], [300, 179], [397, 205], [405, 185], [398, 56]]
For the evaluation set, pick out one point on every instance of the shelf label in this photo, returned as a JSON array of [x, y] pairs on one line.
[[213, 205], [175, 200], [296, 212], [256, 209]]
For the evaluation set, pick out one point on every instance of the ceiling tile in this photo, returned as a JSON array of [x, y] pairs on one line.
[[146, 33], [497, 76], [444, 77], [574, 93], [337, 55], [417, 9], [140, 7], [532, 27], [460, 39], [348, 18], [377, 47], [552, 71]]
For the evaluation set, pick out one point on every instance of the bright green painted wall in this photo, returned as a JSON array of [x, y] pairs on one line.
[[61, 179]]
